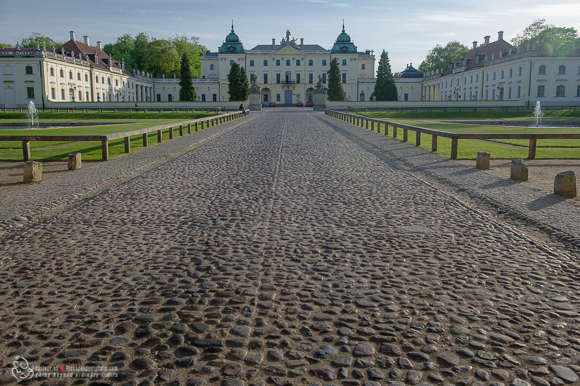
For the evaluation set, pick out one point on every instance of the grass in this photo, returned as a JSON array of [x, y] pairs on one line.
[[500, 149], [59, 150]]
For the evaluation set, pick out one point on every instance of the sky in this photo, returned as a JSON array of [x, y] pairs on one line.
[[407, 30]]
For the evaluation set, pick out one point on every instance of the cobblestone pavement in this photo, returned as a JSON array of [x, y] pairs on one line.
[[281, 252]]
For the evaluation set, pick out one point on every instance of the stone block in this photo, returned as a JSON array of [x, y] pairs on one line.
[[74, 161], [519, 171], [32, 171], [482, 161], [565, 184]]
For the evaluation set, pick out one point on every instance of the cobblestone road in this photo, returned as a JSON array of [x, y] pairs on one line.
[[283, 253]]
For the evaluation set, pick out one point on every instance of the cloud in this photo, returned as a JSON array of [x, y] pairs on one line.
[[342, 5]]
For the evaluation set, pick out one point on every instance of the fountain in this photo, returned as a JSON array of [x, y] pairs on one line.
[[32, 116], [538, 114]]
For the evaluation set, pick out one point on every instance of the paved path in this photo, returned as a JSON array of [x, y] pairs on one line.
[[282, 252]]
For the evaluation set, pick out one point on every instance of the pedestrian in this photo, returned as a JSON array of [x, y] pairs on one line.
[[136, 107], [243, 109]]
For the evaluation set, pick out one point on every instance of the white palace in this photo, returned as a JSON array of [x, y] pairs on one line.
[[286, 73]]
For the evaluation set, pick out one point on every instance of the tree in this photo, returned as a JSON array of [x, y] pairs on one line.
[[183, 43], [440, 57], [335, 90], [541, 36], [187, 91], [385, 87], [234, 83], [244, 84], [161, 59], [37, 39], [5, 45]]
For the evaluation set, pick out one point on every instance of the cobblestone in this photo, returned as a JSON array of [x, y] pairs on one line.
[[283, 252]]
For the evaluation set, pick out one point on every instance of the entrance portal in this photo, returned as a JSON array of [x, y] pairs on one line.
[[288, 97]]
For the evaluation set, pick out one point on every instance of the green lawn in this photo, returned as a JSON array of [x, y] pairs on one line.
[[59, 150], [467, 149]]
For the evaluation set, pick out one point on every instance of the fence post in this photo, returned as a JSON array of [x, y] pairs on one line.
[[181, 130], [372, 126], [418, 138], [105, 149], [386, 129], [159, 136], [532, 149], [367, 124], [189, 128], [394, 131], [196, 125], [127, 144], [26, 150], [405, 135], [202, 124], [145, 140], [454, 143], [171, 132], [433, 143]]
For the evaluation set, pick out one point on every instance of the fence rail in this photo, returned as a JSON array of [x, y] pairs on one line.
[[197, 124], [455, 137]]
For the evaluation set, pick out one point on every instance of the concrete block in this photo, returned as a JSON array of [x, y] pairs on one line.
[[74, 161], [565, 184], [519, 171], [32, 171], [482, 161]]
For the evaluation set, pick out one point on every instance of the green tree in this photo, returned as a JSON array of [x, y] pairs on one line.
[[542, 36], [234, 83], [187, 91], [123, 49], [183, 43], [5, 45], [161, 59], [335, 90], [440, 57], [140, 50], [37, 39], [244, 84], [385, 87]]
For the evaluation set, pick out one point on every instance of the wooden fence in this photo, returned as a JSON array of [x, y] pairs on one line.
[[195, 124], [455, 137]]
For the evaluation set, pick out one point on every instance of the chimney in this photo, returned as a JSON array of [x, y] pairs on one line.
[[72, 35], [273, 43], [474, 45], [99, 45], [486, 40], [301, 42], [500, 36], [86, 40]]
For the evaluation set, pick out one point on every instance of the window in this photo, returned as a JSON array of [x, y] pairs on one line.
[[487, 77], [511, 72], [519, 92], [214, 97], [311, 79], [265, 64], [62, 94], [277, 97], [476, 77], [109, 81], [362, 66], [103, 82], [86, 78], [298, 62], [252, 76], [116, 82], [297, 78], [344, 62], [561, 91], [61, 73], [277, 62], [344, 77], [311, 63], [471, 79], [406, 97], [265, 78], [265, 97], [494, 76], [231, 63], [212, 67], [203, 97], [251, 63], [509, 93], [87, 96], [28, 70], [486, 94], [324, 77], [78, 76], [542, 70], [541, 90], [562, 70], [70, 75], [80, 96], [520, 71], [53, 93], [502, 73], [287, 62], [52, 71], [96, 79], [159, 97], [278, 78], [578, 90], [324, 62], [170, 98]]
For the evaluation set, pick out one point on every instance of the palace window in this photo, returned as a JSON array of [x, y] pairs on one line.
[[541, 91], [96, 79], [214, 97], [87, 96], [511, 72], [324, 77], [277, 97], [502, 73], [562, 70], [231, 63], [297, 78], [509, 93], [30, 92], [344, 62], [265, 64], [211, 67], [520, 71], [203, 97], [311, 79], [61, 73], [298, 62], [362, 66], [278, 78], [542, 70], [324, 62], [494, 76], [79, 76], [477, 77], [251, 63], [561, 91], [103, 82], [487, 77], [28, 70], [265, 78], [70, 75], [62, 94], [311, 63], [519, 91], [109, 81], [86, 78], [287, 62], [80, 96], [53, 93], [52, 71], [277, 62], [578, 90], [344, 77]]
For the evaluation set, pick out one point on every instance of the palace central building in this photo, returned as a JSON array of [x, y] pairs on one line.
[[288, 71]]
